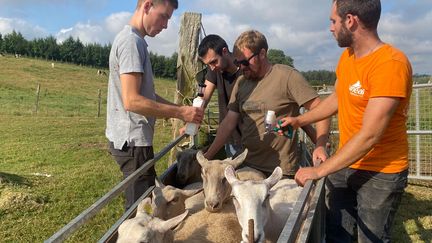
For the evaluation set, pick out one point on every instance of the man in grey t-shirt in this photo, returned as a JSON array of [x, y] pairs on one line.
[[133, 105]]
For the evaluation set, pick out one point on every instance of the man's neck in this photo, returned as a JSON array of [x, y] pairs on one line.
[[232, 68], [366, 44], [136, 23]]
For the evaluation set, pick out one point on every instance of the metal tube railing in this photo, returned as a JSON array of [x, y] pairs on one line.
[[87, 214]]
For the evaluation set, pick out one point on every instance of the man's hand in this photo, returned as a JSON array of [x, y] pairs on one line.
[[319, 154], [306, 173], [292, 121], [192, 114]]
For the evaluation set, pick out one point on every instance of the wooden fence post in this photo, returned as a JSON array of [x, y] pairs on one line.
[[37, 99], [99, 102], [187, 66]]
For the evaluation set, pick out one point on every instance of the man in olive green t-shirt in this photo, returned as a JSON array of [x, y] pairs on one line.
[[263, 87]]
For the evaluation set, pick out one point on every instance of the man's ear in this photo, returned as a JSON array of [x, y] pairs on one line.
[[225, 51], [147, 6], [351, 21], [262, 53]]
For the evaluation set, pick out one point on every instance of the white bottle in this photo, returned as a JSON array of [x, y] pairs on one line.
[[192, 128], [270, 121]]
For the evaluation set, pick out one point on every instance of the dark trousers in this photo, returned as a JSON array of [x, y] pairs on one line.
[[130, 159], [364, 202]]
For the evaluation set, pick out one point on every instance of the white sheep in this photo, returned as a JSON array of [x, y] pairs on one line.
[[268, 202], [188, 168], [208, 227], [169, 201], [146, 228], [216, 188]]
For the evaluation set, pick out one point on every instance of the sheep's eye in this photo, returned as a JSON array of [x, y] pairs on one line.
[[224, 180]]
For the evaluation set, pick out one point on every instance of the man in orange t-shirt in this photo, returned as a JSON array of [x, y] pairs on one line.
[[368, 173]]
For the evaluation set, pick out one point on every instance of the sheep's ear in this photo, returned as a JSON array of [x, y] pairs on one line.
[[159, 183], [190, 193], [274, 177], [230, 174], [145, 206], [172, 223], [239, 159], [201, 159]]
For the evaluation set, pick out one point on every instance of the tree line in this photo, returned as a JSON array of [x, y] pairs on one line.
[[96, 55]]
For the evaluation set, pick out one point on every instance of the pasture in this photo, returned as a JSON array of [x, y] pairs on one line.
[[54, 163]]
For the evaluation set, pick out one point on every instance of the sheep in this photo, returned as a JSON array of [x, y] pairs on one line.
[[268, 202], [216, 190], [146, 228], [207, 227], [188, 168], [169, 201]]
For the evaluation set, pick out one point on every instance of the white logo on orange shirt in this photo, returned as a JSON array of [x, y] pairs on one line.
[[356, 89]]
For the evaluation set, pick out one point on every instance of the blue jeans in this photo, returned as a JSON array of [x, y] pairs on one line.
[[364, 202]]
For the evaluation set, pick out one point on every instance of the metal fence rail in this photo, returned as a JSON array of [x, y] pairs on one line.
[[419, 132], [87, 214]]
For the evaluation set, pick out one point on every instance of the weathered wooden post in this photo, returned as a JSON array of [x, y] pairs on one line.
[[37, 99], [187, 66], [99, 102]]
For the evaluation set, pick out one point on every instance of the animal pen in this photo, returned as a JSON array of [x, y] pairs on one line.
[[306, 221]]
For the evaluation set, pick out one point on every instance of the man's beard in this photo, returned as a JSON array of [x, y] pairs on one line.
[[344, 37]]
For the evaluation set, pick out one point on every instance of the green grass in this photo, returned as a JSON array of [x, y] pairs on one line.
[[66, 140]]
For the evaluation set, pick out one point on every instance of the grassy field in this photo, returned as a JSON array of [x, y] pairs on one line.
[[54, 164]]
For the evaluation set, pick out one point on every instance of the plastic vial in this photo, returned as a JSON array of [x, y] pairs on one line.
[[192, 128], [270, 121]]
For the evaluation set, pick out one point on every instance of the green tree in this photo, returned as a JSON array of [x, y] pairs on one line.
[[278, 56], [72, 50], [1, 43], [320, 77], [15, 43]]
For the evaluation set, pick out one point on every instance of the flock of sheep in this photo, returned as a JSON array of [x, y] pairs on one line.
[[216, 204]]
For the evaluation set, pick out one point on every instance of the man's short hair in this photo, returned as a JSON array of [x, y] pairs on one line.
[[252, 40], [173, 3], [368, 11], [214, 42]]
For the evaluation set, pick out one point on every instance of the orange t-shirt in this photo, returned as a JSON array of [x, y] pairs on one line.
[[384, 73]]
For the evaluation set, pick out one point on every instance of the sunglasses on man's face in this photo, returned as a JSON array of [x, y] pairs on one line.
[[244, 62]]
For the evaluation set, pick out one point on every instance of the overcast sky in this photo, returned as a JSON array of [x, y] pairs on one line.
[[298, 27]]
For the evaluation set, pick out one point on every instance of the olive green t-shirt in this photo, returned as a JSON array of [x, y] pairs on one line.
[[283, 90]]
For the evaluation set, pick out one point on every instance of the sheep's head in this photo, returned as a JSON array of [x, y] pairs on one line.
[[187, 165], [168, 200], [251, 201], [145, 228], [216, 188]]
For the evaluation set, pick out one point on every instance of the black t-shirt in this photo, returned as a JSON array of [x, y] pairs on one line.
[[224, 83]]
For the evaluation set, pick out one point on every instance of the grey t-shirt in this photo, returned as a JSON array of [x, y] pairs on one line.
[[129, 55]]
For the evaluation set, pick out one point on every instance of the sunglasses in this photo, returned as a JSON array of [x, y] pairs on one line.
[[244, 62]]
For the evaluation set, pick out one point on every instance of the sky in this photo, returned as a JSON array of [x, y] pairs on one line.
[[298, 27]]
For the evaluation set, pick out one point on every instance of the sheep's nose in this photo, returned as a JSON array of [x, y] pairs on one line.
[[212, 205]]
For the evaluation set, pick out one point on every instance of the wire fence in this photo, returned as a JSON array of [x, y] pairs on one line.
[[419, 125]]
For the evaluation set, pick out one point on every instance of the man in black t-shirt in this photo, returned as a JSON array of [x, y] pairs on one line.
[[221, 75]]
